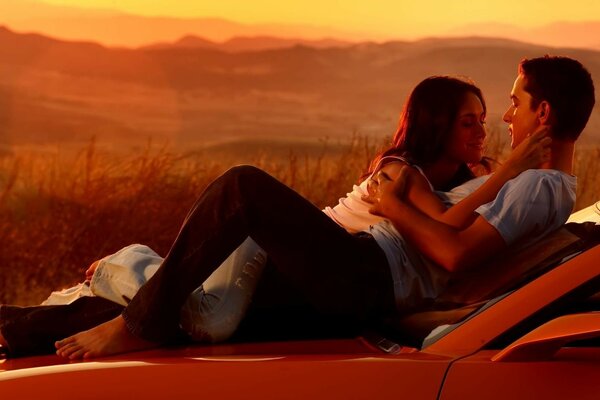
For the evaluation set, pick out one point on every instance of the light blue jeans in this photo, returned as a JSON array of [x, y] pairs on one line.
[[211, 313]]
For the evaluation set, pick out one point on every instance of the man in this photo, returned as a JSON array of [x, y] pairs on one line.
[[556, 92], [548, 91]]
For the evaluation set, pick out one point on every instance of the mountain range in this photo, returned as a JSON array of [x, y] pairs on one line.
[[54, 91], [118, 29], [127, 30], [557, 34], [250, 43]]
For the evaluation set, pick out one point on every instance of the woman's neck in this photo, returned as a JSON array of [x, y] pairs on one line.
[[441, 172]]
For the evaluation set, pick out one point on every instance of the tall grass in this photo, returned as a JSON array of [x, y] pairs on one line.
[[60, 211], [587, 170]]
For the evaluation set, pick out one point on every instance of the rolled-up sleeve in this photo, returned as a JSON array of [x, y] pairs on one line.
[[530, 205]]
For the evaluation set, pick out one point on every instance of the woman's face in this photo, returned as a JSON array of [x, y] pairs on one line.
[[468, 132]]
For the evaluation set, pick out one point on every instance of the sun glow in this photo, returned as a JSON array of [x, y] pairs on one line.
[[389, 18]]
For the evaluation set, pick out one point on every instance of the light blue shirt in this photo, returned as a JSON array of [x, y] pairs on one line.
[[531, 205], [527, 207]]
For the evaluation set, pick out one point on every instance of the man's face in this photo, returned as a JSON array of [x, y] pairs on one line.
[[521, 119]]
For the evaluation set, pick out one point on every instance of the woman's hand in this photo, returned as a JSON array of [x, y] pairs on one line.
[[530, 153], [386, 192], [90, 271]]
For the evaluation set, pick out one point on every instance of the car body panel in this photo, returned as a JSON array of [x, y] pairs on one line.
[[572, 374], [293, 371], [482, 328], [542, 343]]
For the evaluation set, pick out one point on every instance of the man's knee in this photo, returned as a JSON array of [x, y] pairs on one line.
[[246, 176], [241, 173], [244, 170]]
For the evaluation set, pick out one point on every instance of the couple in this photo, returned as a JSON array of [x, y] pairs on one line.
[[344, 263]]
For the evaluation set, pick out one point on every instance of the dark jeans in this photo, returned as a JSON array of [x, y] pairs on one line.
[[340, 275], [317, 272]]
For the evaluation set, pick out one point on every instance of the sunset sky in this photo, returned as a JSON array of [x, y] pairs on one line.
[[364, 19]]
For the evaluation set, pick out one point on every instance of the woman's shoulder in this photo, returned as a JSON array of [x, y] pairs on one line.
[[394, 158], [390, 160]]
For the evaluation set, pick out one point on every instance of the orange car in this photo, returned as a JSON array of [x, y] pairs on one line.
[[533, 333]]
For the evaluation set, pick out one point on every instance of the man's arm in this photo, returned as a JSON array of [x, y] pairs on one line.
[[452, 248]]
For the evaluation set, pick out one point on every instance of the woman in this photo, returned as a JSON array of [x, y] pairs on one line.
[[441, 129]]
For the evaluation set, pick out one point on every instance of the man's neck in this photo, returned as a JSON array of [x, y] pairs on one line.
[[561, 157]]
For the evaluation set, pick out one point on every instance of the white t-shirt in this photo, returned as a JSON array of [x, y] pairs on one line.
[[352, 212]]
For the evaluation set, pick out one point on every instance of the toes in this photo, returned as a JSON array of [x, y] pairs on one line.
[[66, 351], [78, 354], [60, 343]]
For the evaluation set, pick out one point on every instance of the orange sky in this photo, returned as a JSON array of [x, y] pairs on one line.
[[376, 18], [354, 20]]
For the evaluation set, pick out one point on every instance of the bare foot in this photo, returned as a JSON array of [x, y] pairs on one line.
[[106, 339], [2, 340], [3, 344]]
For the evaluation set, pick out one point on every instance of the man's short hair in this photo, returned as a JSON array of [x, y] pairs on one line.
[[567, 86]]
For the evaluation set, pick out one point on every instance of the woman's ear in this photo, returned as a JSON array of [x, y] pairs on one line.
[[544, 113]]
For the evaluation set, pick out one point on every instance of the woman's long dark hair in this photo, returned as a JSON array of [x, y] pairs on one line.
[[426, 123]]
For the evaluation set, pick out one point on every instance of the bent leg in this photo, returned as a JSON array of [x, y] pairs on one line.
[[338, 273], [311, 250]]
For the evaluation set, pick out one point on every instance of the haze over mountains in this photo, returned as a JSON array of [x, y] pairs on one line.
[[58, 91], [557, 34], [71, 23], [115, 28], [252, 43]]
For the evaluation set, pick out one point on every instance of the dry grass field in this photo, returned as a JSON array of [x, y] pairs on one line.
[[60, 210]]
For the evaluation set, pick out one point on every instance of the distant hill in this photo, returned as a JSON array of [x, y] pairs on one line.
[[559, 34], [114, 28], [120, 29], [56, 91], [255, 43]]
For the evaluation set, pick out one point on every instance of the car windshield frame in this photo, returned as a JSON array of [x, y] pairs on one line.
[[441, 331]]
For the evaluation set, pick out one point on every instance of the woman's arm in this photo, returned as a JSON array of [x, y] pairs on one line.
[[452, 248], [419, 193], [529, 154]]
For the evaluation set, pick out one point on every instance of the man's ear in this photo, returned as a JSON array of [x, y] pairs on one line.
[[544, 112]]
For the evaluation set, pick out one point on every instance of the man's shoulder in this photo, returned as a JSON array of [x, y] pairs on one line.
[[552, 173], [536, 185], [543, 176], [534, 203]]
